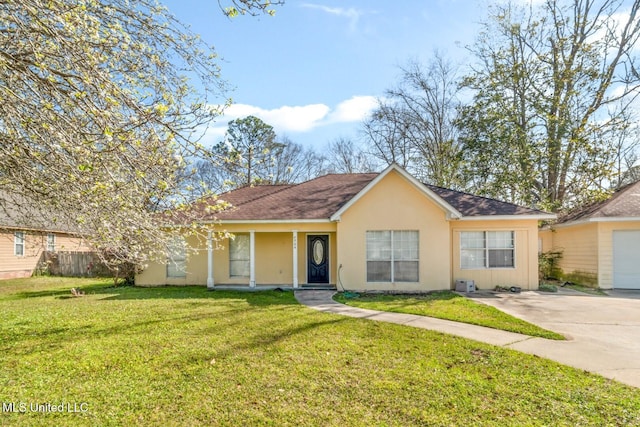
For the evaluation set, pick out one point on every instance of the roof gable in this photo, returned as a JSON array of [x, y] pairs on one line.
[[426, 191], [623, 203]]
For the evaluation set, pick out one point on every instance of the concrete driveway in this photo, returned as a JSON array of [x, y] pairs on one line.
[[603, 332]]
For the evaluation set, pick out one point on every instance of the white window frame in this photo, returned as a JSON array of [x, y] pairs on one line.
[[486, 249], [393, 257], [236, 256], [19, 238], [177, 259], [51, 242]]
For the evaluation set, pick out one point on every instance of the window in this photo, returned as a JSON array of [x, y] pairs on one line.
[[239, 256], [487, 249], [18, 243], [177, 262], [51, 242], [392, 256]]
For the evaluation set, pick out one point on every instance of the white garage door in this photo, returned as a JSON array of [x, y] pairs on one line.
[[626, 259]]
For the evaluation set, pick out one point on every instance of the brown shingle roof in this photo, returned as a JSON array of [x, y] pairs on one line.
[[19, 212], [625, 202], [320, 198], [471, 205], [248, 194]]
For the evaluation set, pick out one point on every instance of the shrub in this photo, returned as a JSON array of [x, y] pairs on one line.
[[548, 267]]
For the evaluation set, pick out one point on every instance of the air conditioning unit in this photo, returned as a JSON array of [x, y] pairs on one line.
[[465, 286]]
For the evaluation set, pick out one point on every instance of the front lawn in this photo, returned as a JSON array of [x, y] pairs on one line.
[[185, 356], [449, 306]]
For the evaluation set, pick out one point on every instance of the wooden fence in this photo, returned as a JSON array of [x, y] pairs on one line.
[[72, 264]]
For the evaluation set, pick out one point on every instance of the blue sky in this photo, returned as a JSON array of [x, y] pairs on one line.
[[314, 69]]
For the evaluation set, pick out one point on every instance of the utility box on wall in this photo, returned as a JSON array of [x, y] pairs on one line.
[[465, 286]]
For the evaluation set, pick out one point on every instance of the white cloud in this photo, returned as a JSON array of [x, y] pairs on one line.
[[354, 109], [351, 13], [285, 118], [295, 119]]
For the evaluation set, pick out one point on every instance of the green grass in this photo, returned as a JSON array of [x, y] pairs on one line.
[[184, 356], [585, 289], [449, 306], [547, 287]]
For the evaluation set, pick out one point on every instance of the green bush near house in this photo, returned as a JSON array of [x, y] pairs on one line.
[[548, 265], [186, 356]]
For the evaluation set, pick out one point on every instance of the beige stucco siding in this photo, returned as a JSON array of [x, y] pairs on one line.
[[273, 256], [155, 273], [12, 266], [579, 247], [394, 204], [525, 272]]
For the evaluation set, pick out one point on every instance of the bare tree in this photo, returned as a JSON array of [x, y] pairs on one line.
[[293, 163], [386, 133], [344, 156], [414, 124]]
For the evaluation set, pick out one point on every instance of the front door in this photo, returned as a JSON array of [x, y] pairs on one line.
[[318, 259]]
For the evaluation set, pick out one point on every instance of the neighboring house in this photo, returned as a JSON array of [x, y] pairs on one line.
[[375, 231], [23, 240], [600, 243]]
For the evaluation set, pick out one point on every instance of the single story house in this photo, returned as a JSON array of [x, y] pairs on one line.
[[22, 248], [600, 243], [369, 231], [25, 238]]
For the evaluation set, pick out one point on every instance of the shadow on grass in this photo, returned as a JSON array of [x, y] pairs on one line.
[[59, 337], [274, 313], [258, 298], [60, 292], [112, 293], [267, 336], [268, 330]]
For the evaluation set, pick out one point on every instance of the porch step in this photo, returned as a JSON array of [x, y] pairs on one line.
[[317, 287]]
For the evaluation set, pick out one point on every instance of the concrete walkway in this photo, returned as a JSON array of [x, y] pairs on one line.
[[579, 353]]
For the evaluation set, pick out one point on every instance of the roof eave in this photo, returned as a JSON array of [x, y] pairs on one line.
[[595, 220], [39, 230], [537, 217], [272, 221]]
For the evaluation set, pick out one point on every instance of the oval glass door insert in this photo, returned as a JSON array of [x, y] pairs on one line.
[[318, 252]]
